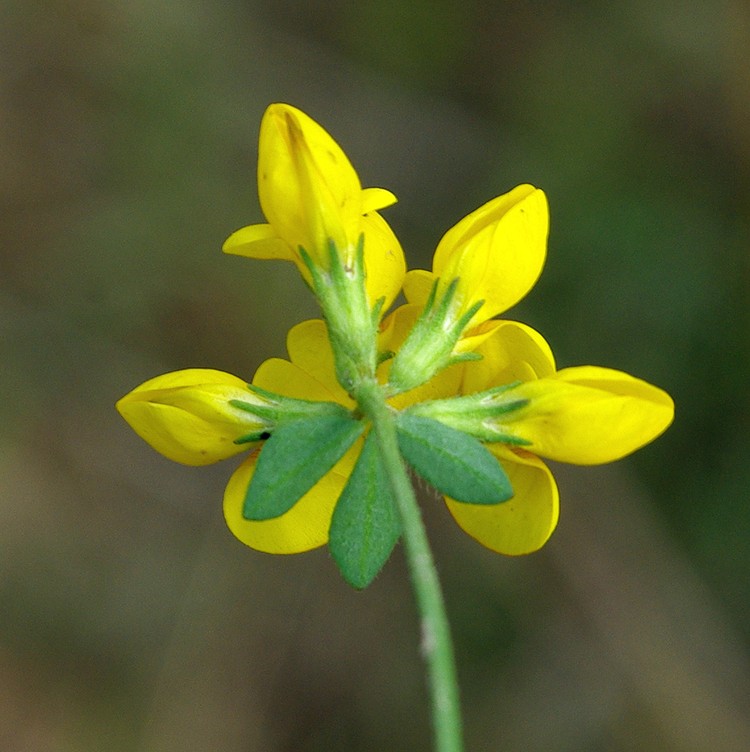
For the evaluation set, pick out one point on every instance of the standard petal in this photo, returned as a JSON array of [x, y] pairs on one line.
[[308, 189], [589, 415], [523, 524], [510, 352], [302, 528], [384, 260], [486, 215], [497, 252]]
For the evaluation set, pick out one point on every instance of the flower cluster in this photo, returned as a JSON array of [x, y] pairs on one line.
[[464, 385]]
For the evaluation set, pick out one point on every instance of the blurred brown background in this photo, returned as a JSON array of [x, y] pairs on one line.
[[130, 619]]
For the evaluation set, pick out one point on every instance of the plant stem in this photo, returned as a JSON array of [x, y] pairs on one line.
[[437, 647]]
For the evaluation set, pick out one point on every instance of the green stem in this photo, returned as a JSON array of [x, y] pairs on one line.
[[437, 647]]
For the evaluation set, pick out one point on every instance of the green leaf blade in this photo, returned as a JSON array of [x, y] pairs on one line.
[[456, 464], [365, 525], [296, 456]]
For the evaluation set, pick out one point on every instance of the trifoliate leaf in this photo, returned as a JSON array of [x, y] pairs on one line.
[[298, 454], [455, 463], [365, 524]]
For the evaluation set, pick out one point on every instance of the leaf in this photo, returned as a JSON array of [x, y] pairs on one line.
[[365, 524], [457, 464], [298, 454]]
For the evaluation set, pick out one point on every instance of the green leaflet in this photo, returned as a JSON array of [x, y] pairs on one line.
[[365, 524], [457, 464], [298, 454]]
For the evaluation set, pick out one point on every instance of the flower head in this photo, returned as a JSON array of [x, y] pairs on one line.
[[473, 404]]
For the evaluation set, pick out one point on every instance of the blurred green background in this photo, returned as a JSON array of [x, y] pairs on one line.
[[130, 619]]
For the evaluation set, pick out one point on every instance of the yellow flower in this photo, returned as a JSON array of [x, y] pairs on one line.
[[482, 266], [496, 253], [188, 416], [584, 415], [311, 196]]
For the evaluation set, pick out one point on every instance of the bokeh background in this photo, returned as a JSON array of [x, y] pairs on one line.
[[130, 619]]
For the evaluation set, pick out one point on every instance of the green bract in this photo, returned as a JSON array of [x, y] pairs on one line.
[[366, 524], [454, 462], [296, 456]]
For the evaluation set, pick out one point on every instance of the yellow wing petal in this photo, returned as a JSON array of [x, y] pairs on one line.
[[310, 350], [417, 286]]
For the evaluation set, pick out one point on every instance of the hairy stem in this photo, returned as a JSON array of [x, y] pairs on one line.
[[437, 647]]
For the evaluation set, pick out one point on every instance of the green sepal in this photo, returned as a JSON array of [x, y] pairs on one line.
[[455, 463], [377, 310], [269, 413], [296, 456], [365, 525], [464, 358], [279, 407], [481, 415], [352, 330], [429, 346]]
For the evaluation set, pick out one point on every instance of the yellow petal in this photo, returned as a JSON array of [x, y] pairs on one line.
[[384, 260], [589, 415], [190, 377], [375, 199], [443, 384], [396, 326], [288, 379], [497, 252], [302, 528], [262, 242], [308, 189], [510, 352], [418, 285], [187, 416], [310, 350], [258, 241], [524, 523]]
